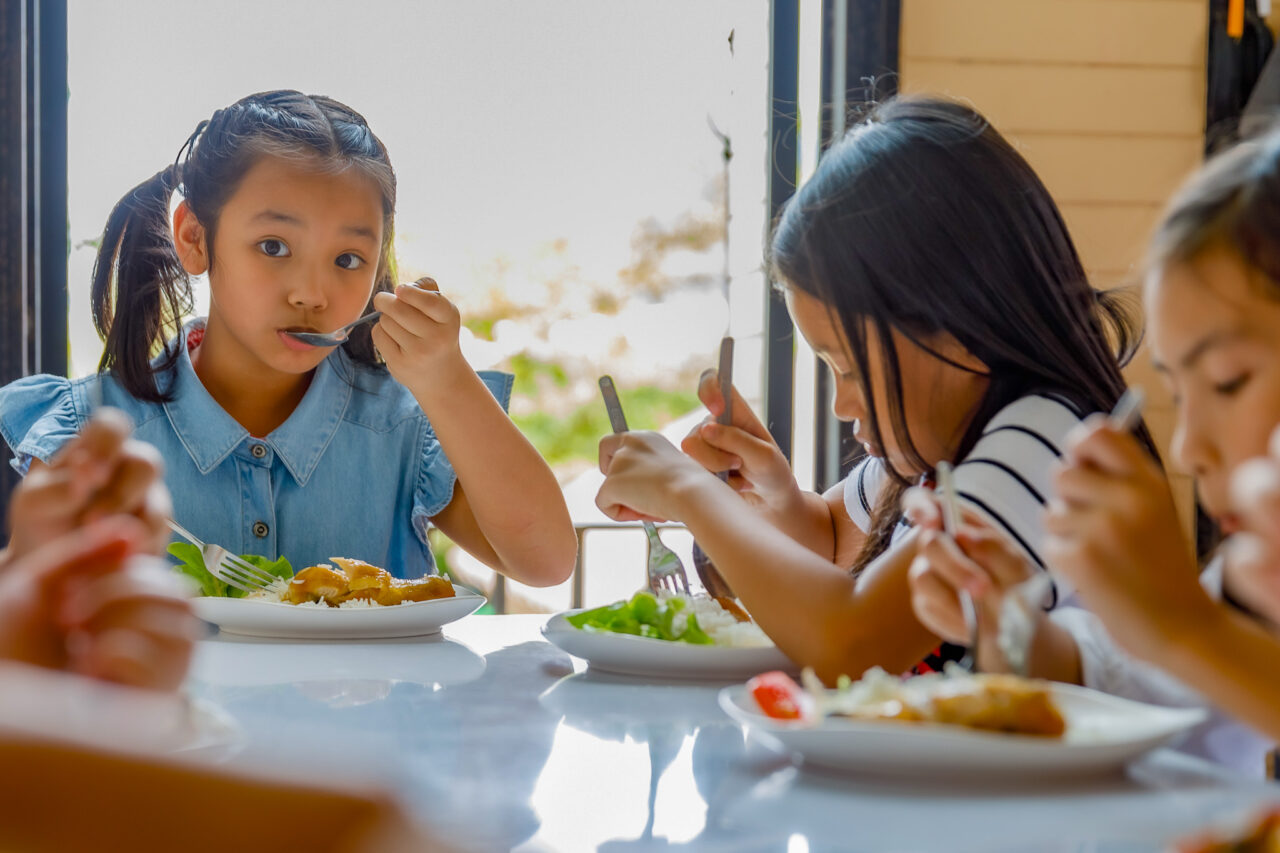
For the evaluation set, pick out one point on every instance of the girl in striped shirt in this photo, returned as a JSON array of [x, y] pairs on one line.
[[930, 269]]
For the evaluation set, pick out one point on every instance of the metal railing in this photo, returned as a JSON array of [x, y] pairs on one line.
[[498, 600]]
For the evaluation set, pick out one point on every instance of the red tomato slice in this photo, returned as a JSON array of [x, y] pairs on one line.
[[780, 697]]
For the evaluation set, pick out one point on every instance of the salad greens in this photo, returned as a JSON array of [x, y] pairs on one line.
[[644, 616], [191, 564]]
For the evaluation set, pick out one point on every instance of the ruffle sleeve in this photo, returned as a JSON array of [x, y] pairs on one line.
[[38, 415], [434, 486]]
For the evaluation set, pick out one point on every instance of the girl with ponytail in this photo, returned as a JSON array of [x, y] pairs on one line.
[[930, 269], [272, 446]]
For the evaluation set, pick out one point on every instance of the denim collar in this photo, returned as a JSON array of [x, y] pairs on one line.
[[209, 434]]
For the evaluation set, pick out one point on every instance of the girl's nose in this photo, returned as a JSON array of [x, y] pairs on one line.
[[307, 291], [1192, 445], [847, 404]]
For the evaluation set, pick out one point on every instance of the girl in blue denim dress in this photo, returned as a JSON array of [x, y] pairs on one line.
[[273, 446]]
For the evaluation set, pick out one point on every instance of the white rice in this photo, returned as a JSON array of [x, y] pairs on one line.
[[718, 623]]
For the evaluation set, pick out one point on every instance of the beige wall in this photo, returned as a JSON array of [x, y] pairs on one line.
[[1104, 97]]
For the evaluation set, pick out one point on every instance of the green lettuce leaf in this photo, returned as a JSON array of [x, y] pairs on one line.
[[191, 564], [643, 615]]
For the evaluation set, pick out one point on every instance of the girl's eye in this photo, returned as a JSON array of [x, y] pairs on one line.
[[349, 261], [1226, 389], [274, 248]]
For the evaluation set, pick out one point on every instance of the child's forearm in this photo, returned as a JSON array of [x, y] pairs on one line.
[[1233, 661], [806, 518], [515, 499], [816, 612]]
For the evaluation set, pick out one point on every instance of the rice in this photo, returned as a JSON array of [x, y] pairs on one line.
[[717, 622]]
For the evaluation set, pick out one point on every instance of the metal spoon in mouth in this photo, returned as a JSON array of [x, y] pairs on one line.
[[334, 338]]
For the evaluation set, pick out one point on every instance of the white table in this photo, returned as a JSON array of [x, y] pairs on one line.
[[500, 740]]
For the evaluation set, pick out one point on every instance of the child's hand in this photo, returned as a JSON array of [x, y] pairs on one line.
[[646, 477], [757, 469], [1252, 570], [100, 472], [1114, 533], [417, 334], [979, 559], [86, 603]]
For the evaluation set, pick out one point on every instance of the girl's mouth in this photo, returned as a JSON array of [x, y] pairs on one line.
[[293, 343], [1229, 523]]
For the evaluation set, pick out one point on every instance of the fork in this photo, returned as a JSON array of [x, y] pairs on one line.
[[1022, 603], [225, 566], [950, 517], [665, 571]]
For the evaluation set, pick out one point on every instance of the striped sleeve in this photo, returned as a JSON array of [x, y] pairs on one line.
[[1005, 478], [862, 490]]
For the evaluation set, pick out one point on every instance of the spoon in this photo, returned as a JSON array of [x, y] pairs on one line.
[[950, 519], [334, 338]]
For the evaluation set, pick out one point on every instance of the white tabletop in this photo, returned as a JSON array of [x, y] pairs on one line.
[[500, 740]]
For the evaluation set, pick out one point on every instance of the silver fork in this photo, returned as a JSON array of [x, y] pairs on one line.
[[950, 518], [225, 566], [665, 570], [1023, 601]]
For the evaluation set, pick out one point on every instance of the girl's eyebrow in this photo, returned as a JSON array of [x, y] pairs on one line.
[[290, 219], [1197, 351]]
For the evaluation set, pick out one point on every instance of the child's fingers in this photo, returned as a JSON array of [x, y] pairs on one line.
[[706, 454], [144, 583], [1255, 495], [608, 449], [427, 302], [742, 450], [404, 321], [743, 417], [951, 564], [993, 551], [920, 507], [1086, 486], [96, 549], [935, 603], [1098, 444], [137, 470], [396, 332]]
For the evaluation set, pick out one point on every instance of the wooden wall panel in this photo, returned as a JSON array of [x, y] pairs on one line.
[[1105, 98], [1099, 32]]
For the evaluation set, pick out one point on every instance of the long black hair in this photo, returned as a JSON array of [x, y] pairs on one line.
[[141, 293], [925, 220]]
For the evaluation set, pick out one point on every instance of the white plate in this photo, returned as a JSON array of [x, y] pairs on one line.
[[1103, 733], [632, 655], [256, 618]]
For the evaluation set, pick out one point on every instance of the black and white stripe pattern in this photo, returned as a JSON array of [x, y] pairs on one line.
[[1004, 478]]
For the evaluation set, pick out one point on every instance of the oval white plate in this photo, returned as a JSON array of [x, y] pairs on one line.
[[275, 619], [1103, 732], [632, 655]]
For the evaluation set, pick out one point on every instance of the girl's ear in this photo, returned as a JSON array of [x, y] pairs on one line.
[[189, 239]]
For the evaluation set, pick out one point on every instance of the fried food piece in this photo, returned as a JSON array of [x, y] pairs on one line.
[[733, 607], [422, 589], [1001, 703], [315, 583], [362, 575]]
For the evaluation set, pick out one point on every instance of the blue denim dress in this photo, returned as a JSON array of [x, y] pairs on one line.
[[355, 471]]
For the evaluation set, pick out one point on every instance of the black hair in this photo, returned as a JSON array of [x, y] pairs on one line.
[[923, 219], [141, 293]]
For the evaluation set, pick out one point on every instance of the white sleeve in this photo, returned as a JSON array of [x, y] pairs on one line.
[[1005, 478], [1105, 667], [862, 491]]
